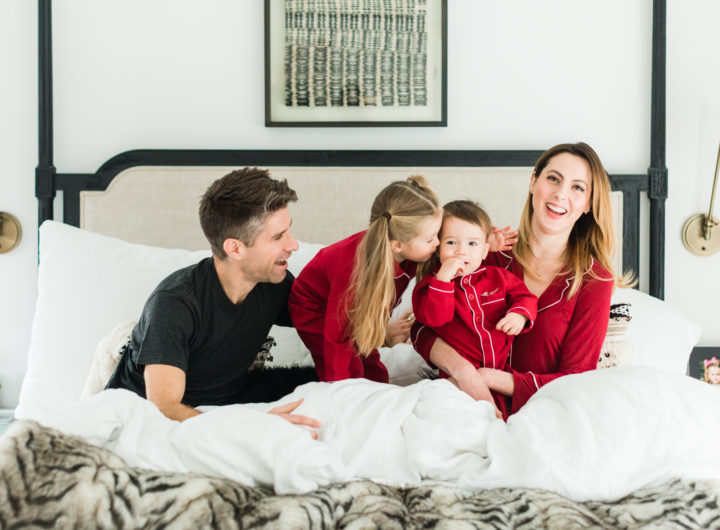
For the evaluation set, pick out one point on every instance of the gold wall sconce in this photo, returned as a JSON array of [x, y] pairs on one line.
[[10, 232], [698, 235]]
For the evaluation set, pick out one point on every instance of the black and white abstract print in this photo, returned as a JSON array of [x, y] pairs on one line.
[[354, 53]]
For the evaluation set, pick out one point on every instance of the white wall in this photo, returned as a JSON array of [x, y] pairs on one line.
[[18, 158], [693, 135], [189, 74]]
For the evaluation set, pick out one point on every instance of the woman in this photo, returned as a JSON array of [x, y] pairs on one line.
[[563, 253]]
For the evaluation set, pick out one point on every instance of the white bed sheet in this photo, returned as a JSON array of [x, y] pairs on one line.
[[597, 435]]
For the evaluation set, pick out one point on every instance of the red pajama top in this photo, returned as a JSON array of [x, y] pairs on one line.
[[566, 338], [317, 305], [465, 311]]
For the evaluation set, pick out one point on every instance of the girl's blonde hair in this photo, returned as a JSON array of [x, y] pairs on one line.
[[396, 214], [464, 210], [592, 237]]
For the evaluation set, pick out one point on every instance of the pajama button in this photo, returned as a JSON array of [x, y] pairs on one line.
[[471, 297], [466, 281]]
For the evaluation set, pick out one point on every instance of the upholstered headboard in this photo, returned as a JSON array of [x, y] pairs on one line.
[[152, 197]]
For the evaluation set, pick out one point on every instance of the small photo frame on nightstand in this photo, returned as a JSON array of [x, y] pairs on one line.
[[704, 364]]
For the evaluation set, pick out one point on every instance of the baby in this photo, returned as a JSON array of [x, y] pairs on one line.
[[476, 309]]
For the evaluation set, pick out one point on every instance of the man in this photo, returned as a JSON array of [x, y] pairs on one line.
[[202, 327]]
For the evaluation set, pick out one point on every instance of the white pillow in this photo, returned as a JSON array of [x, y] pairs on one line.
[[88, 284], [658, 334]]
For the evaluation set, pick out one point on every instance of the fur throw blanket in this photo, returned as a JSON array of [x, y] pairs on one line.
[[52, 480]]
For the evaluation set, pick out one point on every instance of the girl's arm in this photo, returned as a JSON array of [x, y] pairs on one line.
[[318, 312], [340, 357]]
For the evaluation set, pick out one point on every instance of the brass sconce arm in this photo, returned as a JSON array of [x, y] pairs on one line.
[[697, 233]]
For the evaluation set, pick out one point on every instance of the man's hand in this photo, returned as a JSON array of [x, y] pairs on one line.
[[502, 238], [512, 323], [284, 411], [398, 331], [472, 383]]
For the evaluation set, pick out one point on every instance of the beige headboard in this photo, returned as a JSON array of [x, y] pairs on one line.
[[158, 205]]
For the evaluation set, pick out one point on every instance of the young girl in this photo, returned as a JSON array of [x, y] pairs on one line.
[[475, 308], [341, 302], [712, 371]]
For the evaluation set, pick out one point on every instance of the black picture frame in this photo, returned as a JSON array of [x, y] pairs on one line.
[[359, 104]]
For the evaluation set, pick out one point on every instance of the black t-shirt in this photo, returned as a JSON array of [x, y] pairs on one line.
[[189, 322]]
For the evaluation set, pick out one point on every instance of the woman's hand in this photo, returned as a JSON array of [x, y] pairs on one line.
[[470, 381], [498, 380], [502, 238], [284, 411], [398, 331]]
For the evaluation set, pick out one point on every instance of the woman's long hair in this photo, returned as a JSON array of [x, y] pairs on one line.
[[397, 214], [593, 235]]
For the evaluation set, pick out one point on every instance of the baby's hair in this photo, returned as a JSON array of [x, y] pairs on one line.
[[397, 214], [466, 211]]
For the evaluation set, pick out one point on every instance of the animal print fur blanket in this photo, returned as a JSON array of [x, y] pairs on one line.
[[52, 480]]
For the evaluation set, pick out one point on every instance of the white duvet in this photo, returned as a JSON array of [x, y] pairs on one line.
[[598, 435]]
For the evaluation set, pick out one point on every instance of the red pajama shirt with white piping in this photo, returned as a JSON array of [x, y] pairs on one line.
[[566, 338], [465, 311], [317, 305]]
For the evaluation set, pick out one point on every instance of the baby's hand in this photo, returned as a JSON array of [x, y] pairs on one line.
[[450, 268], [512, 323]]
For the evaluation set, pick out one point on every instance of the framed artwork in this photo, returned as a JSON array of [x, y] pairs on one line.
[[704, 364], [355, 63]]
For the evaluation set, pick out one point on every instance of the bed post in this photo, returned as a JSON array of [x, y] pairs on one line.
[[45, 171], [657, 172]]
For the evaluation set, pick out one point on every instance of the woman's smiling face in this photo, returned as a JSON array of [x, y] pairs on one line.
[[561, 194]]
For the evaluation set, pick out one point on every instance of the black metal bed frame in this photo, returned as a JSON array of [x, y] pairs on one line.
[[48, 180]]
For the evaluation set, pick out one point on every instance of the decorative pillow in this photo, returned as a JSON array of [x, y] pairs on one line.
[[106, 357], [615, 350], [658, 335]]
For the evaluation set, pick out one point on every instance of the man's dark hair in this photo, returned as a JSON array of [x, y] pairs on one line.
[[236, 205]]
